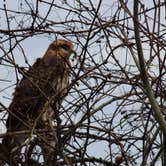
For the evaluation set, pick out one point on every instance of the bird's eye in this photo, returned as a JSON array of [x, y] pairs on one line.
[[65, 47]]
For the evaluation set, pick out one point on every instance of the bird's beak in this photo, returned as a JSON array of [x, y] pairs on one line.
[[73, 52]]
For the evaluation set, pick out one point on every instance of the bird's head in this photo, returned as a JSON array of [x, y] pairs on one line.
[[61, 47]]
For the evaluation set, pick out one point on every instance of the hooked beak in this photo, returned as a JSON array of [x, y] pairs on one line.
[[73, 52]]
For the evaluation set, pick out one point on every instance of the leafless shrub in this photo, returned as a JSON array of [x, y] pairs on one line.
[[107, 117]]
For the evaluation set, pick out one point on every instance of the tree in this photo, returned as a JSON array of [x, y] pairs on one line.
[[115, 109]]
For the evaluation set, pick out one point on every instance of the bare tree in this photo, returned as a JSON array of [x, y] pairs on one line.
[[114, 113]]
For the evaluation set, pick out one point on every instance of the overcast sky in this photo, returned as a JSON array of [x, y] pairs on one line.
[[36, 46]]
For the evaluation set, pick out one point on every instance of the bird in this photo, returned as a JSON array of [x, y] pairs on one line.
[[38, 97]]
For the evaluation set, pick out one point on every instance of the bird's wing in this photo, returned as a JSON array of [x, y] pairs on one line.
[[33, 91]]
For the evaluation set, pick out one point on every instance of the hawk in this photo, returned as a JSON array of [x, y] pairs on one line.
[[38, 95]]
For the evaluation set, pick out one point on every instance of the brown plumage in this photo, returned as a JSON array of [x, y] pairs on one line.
[[40, 92]]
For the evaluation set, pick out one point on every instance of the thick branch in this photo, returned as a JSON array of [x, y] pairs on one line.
[[157, 112]]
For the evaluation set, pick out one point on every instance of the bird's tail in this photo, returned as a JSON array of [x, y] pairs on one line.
[[5, 150], [10, 149]]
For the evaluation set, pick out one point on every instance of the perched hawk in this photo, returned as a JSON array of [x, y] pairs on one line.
[[39, 94]]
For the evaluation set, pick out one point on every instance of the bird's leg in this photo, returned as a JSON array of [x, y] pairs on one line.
[[48, 139]]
